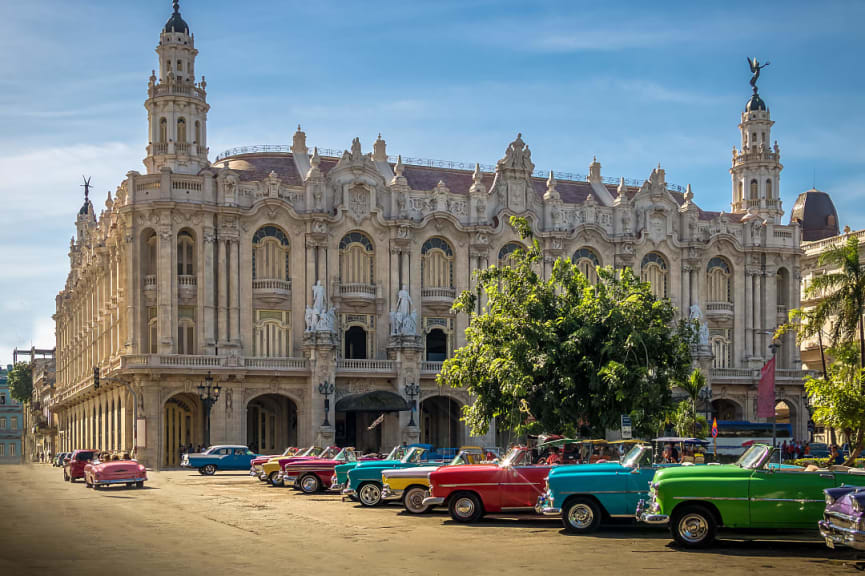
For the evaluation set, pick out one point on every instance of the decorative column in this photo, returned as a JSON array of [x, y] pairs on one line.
[[206, 277], [749, 314], [686, 287], [759, 337], [234, 289], [164, 300], [222, 283]]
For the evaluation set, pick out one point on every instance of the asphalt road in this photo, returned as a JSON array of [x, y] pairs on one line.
[[183, 523]]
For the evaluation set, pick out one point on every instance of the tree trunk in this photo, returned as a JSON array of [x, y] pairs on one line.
[[857, 449]]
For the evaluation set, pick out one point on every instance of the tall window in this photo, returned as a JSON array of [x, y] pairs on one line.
[[437, 264], [782, 280], [768, 189], [181, 130], [150, 255], [506, 254], [741, 189], [163, 130], [186, 330], [721, 350], [12, 449], [587, 261], [2, 449], [185, 254], [754, 192], [271, 334], [356, 259], [654, 271], [270, 251], [2, 423], [15, 422], [718, 273], [197, 132], [152, 331]]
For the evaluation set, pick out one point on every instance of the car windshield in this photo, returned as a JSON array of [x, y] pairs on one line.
[[466, 457], [346, 455], [328, 453], [516, 457], [753, 457], [290, 452], [414, 455], [638, 456]]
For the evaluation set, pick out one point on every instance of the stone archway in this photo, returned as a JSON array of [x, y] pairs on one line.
[[182, 428], [440, 424], [726, 409], [271, 423]]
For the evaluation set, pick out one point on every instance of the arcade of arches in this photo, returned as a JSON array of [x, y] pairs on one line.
[[440, 424], [271, 423], [182, 427]]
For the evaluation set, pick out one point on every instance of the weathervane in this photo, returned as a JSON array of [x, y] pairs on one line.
[[86, 187], [755, 71]]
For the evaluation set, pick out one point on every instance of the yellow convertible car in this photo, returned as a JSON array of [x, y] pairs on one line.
[[270, 469], [411, 485]]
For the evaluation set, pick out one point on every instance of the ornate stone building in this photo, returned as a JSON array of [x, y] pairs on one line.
[[280, 269]]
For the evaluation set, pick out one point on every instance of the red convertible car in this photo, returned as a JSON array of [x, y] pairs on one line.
[[469, 492], [73, 466], [313, 474], [105, 471]]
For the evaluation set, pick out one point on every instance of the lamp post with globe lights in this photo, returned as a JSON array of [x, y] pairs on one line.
[[326, 389], [208, 392]]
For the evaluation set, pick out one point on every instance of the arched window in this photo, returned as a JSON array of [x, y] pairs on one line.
[[436, 345], [741, 190], [768, 189], [270, 252], [163, 130], [754, 192], [185, 254], [782, 291], [149, 253], [356, 259], [506, 254], [718, 280], [355, 343], [197, 132], [437, 264], [587, 261], [654, 271], [181, 130], [721, 352], [186, 330], [271, 334], [180, 64]]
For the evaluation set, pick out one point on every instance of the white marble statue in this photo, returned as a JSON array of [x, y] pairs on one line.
[[318, 317], [697, 316], [403, 321], [319, 298]]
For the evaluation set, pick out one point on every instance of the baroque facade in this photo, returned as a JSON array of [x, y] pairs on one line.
[[281, 271]]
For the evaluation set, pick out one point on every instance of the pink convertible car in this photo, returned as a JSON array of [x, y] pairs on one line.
[[105, 471]]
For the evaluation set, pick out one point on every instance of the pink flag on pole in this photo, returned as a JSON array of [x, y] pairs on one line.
[[766, 392]]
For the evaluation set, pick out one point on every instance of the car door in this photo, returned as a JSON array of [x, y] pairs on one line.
[[782, 497], [522, 483], [636, 489], [223, 458]]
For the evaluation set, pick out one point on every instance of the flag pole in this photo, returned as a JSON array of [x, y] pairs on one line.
[[774, 348]]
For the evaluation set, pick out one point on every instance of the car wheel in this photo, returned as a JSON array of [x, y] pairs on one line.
[[581, 515], [274, 480], [693, 526], [465, 507], [413, 500], [139, 484], [208, 470], [309, 484], [369, 494]]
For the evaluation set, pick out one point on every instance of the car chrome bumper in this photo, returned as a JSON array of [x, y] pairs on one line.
[[647, 513], [388, 494], [125, 481], [433, 501], [288, 479], [842, 536], [545, 508], [348, 492]]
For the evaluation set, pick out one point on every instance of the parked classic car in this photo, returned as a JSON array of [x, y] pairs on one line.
[[258, 462], [469, 492], [58, 459], [339, 480], [752, 493], [73, 465], [270, 470], [313, 474], [843, 522], [104, 471], [233, 457], [411, 485], [364, 481]]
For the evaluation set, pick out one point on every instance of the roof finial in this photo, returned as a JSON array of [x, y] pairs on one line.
[[176, 4], [86, 187]]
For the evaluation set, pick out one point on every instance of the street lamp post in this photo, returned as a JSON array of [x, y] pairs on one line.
[[208, 392], [326, 389], [774, 347], [706, 396], [412, 391]]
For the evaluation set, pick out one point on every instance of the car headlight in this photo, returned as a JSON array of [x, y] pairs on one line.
[[855, 505], [829, 500], [546, 484]]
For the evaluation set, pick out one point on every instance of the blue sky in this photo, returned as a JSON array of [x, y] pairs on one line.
[[634, 83]]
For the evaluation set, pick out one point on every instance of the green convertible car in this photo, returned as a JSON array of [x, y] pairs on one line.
[[752, 493]]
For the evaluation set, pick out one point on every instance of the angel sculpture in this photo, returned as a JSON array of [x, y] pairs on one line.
[[755, 71]]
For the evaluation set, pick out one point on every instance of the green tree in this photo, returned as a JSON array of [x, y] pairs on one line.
[[838, 399], [21, 382], [687, 422], [565, 352]]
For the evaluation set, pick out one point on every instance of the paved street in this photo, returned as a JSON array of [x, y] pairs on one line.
[[183, 523]]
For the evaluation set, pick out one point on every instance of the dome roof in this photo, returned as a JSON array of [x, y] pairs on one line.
[[755, 103], [176, 23], [816, 215]]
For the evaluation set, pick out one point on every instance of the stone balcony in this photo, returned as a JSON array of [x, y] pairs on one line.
[[187, 287], [365, 366], [719, 309], [356, 291], [272, 290], [752, 376], [438, 297], [150, 283], [428, 368]]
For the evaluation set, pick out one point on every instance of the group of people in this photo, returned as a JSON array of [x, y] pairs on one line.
[[689, 455], [795, 449], [190, 449]]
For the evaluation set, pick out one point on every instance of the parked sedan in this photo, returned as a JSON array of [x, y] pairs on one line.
[[696, 501], [314, 474], [233, 457], [843, 522], [469, 492], [106, 471]]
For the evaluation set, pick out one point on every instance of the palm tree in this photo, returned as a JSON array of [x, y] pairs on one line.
[[843, 296], [692, 387]]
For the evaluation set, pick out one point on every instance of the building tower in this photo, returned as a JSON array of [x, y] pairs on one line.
[[756, 166], [176, 105]]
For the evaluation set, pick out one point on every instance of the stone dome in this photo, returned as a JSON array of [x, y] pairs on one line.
[[816, 215], [755, 103], [176, 23]]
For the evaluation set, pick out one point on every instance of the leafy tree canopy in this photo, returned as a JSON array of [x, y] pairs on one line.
[[565, 353], [21, 382]]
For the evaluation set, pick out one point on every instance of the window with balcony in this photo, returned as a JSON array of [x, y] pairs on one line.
[[587, 262], [270, 253], [271, 334], [754, 191], [437, 264], [506, 254], [721, 350], [152, 331], [355, 343], [186, 330], [163, 130], [181, 130], [653, 270], [718, 281], [356, 259], [185, 254], [768, 189], [436, 345]]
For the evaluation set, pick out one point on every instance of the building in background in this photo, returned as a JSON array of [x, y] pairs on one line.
[[11, 422], [280, 273]]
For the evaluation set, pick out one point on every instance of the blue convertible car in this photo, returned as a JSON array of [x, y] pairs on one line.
[[234, 457]]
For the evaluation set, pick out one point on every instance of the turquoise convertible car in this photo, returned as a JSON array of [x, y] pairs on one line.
[[364, 480]]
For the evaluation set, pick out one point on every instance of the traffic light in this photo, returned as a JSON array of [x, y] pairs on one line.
[[96, 377]]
